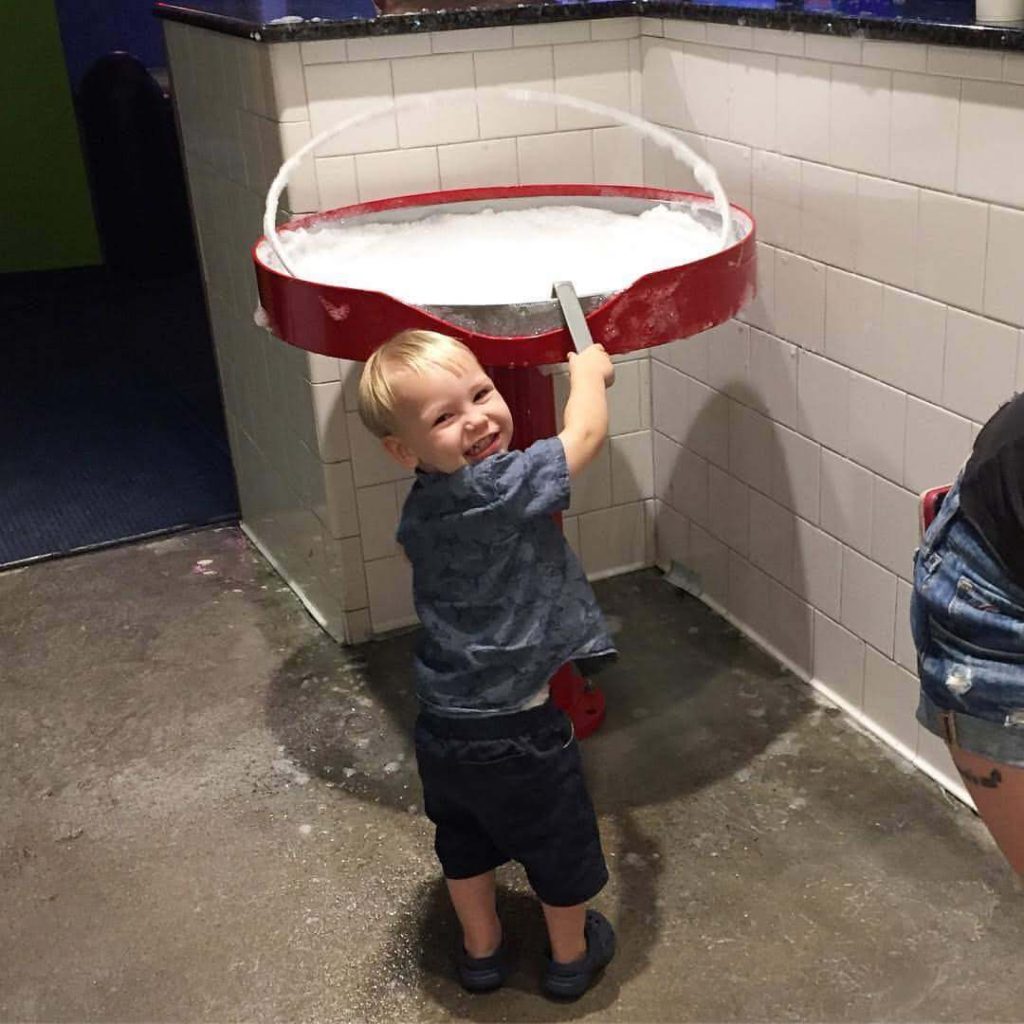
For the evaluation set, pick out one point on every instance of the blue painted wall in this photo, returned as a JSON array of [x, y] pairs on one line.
[[92, 28]]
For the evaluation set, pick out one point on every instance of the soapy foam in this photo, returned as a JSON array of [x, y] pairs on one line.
[[497, 257]]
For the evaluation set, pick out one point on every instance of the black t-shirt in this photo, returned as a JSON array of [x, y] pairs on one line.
[[992, 488]]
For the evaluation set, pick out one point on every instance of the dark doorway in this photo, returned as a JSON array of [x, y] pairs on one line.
[[111, 422], [111, 425]]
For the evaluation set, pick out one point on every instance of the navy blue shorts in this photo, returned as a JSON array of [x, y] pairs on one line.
[[511, 787]]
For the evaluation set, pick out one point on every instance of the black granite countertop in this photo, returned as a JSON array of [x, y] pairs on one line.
[[944, 22]]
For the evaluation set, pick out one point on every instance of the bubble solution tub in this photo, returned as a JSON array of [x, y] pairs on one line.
[[516, 340]]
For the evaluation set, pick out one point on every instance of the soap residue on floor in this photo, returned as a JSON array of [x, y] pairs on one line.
[[497, 257]]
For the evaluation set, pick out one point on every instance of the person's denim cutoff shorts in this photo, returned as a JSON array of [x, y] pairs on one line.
[[967, 618]]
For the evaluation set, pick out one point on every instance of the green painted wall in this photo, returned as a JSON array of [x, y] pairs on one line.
[[46, 219]]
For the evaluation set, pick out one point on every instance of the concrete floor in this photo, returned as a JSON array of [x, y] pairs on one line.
[[209, 812]]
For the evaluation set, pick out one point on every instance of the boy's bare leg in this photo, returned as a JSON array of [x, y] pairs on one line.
[[473, 899], [565, 931]]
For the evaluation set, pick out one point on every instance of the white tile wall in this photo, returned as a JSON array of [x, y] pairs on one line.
[[925, 118], [396, 173], [886, 230], [839, 659], [774, 364], [613, 539], [618, 156], [468, 40], [964, 63], [796, 473], [548, 159], [912, 355], [446, 80], [868, 601], [476, 164], [878, 426], [789, 44], [938, 442], [1004, 297], [632, 467], [904, 651], [709, 558], [951, 244], [537, 35], [828, 215], [988, 152], [859, 117], [837, 49], [752, 106], [386, 47], [339, 91], [890, 697], [818, 568], [752, 445], [846, 510], [894, 527], [981, 363], [729, 510], [525, 68], [729, 358], [672, 537], [897, 56], [803, 108], [786, 449], [776, 198], [823, 401], [598, 72], [799, 298], [772, 538]]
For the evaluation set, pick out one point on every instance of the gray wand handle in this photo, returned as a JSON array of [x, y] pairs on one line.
[[573, 313]]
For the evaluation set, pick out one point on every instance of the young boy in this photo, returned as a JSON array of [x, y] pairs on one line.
[[503, 603]]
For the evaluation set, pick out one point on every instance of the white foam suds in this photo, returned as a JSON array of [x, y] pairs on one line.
[[506, 256]]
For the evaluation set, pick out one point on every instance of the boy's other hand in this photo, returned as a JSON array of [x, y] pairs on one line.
[[593, 360]]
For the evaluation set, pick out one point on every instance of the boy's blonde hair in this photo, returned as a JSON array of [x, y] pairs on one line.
[[409, 351]]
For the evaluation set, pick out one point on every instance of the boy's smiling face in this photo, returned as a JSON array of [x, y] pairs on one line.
[[448, 419]]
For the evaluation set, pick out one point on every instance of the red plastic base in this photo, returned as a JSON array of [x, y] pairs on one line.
[[930, 502], [580, 699]]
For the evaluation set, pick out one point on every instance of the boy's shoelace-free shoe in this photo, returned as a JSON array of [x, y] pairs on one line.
[[570, 981], [485, 973]]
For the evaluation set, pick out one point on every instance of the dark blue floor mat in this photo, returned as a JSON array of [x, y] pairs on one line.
[[105, 434]]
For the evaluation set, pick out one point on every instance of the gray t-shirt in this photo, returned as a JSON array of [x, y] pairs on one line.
[[502, 598]]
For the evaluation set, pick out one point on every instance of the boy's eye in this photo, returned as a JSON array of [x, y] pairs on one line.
[[482, 394], [443, 418]]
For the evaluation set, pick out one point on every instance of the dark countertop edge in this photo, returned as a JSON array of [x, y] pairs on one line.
[[818, 23]]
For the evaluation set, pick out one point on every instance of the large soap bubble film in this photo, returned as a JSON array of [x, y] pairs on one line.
[[661, 137]]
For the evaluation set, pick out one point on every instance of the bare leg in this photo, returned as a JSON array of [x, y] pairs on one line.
[[565, 931], [998, 792], [473, 899]]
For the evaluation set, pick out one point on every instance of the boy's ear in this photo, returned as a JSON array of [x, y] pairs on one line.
[[400, 451]]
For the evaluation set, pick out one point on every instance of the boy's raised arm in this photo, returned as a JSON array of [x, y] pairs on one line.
[[586, 411]]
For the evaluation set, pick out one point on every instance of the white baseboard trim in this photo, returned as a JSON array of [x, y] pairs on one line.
[[295, 587], [952, 785]]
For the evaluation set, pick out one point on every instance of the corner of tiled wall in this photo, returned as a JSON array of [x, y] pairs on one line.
[[318, 495], [790, 445]]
